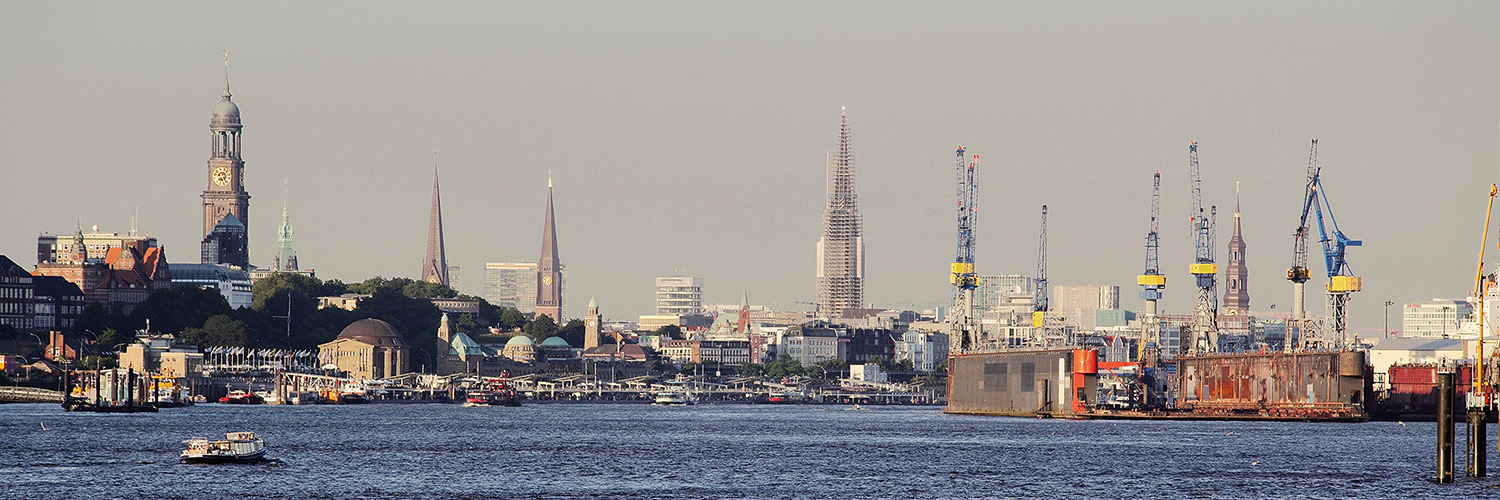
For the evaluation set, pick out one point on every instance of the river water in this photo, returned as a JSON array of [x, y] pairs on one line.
[[566, 450]]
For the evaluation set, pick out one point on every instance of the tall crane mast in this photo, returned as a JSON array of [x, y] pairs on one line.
[[1041, 266], [1046, 324], [1204, 326], [964, 327], [1152, 281], [1482, 287], [1299, 326]]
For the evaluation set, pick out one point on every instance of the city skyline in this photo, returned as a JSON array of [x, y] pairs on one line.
[[677, 157]]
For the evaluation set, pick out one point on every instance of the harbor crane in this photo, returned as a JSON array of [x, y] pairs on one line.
[[965, 333], [1047, 324], [1152, 281], [1480, 399], [1341, 280], [1204, 327], [1305, 330], [1041, 268]]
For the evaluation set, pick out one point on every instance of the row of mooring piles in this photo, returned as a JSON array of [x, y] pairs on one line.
[[1476, 416]]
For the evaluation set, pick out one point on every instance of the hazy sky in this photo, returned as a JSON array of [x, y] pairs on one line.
[[690, 137]]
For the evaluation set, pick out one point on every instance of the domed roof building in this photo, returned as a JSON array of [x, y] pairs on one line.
[[367, 349], [374, 332], [519, 348], [556, 348]]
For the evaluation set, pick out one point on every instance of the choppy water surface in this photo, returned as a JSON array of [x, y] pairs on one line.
[[708, 451]]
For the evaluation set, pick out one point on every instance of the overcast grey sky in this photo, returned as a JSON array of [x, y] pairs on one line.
[[691, 136]]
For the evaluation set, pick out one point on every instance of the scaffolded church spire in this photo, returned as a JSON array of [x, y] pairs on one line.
[[841, 250]]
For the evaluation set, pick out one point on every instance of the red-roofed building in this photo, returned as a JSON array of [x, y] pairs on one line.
[[123, 278]]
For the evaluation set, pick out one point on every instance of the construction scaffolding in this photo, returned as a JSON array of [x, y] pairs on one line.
[[841, 249]]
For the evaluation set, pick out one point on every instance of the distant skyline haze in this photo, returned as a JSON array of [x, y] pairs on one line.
[[692, 138]]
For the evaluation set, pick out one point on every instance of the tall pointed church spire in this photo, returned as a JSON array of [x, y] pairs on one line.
[[1236, 291], [286, 256], [435, 265], [549, 300], [226, 75], [841, 250]]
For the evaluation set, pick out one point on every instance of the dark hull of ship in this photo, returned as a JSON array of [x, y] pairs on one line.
[[251, 458]]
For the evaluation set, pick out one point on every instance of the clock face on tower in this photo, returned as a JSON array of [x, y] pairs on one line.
[[593, 323], [546, 280], [221, 176]]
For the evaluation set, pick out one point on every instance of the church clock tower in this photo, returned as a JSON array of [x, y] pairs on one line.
[[226, 169]]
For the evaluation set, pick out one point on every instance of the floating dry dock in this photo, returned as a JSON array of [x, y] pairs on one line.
[[1065, 383]]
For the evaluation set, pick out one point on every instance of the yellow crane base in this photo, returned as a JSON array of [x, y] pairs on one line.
[[1344, 284]]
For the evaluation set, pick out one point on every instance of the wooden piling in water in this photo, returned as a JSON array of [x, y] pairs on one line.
[[1477, 419], [1445, 428]]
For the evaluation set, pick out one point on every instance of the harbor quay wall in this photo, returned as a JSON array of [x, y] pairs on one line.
[[1033, 383], [29, 395]]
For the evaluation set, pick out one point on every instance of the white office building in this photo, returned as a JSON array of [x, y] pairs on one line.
[[680, 295], [1433, 319]]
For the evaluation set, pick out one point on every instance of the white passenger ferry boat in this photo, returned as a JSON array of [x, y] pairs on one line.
[[673, 399], [235, 448]]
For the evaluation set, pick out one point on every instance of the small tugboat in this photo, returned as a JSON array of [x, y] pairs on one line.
[[168, 395], [235, 448], [353, 398], [494, 392], [238, 397], [672, 399]]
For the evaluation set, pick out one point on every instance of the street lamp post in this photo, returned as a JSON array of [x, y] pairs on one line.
[[1387, 332], [46, 348]]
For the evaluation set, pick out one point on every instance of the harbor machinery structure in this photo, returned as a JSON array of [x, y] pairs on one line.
[[1047, 324], [1298, 325], [1152, 281], [1341, 280], [1479, 398], [965, 333], [1203, 328], [1307, 331]]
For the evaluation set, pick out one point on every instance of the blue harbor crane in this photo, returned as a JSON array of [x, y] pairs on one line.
[[1152, 281], [1301, 332], [1341, 280], [1204, 328], [964, 326]]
